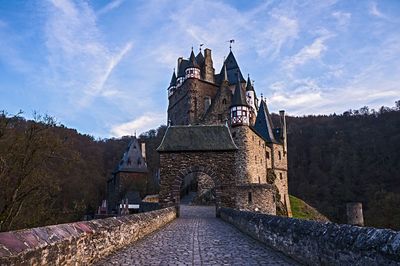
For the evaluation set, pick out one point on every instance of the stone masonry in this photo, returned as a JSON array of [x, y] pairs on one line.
[[316, 243], [79, 243]]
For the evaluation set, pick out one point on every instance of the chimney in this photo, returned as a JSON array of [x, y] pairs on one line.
[[143, 148], [208, 66], [284, 133]]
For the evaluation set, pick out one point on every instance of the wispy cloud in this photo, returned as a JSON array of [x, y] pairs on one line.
[[309, 52], [138, 125], [373, 10], [110, 6], [343, 18], [79, 58]]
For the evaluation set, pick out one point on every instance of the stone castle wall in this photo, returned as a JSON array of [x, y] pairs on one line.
[[79, 243], [251, 157], [256, 198], [187, 105], [315, 243]]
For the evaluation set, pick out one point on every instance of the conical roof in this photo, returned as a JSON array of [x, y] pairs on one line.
[[263, 124], [200, 58], [132, 160], [232, 69], [173, 80], [239, 97], [193, 61], [249, 86]]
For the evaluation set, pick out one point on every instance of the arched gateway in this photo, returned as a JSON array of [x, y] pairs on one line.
[[207, 149]]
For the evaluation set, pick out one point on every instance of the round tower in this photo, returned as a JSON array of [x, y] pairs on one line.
[[193, 68], [240, 110], [355, 213], [172, 85]]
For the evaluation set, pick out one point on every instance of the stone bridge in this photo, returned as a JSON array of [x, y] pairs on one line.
[[197, 237]]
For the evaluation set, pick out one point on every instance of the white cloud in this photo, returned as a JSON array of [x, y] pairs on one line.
[[343, 18], [373, 10], [110, 6], [307, 53], [279, 31], [138, 125]]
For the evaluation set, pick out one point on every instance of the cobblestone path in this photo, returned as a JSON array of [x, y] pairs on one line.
[[197, 238]]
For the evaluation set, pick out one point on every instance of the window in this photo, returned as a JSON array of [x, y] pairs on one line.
[[279, 155], [267, 154], [207, 103], [224, 101], [255, 158], [234, 113], [280, 176], [261, 161], [259, 180], [250, 198]]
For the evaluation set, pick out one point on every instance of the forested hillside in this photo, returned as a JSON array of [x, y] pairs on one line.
[[351, 157], [51, 174]]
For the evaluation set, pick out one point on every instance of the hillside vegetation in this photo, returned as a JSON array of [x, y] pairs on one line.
[[302, 210]]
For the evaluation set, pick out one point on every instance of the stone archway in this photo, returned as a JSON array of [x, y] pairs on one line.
[[190, 149], [218, 165]]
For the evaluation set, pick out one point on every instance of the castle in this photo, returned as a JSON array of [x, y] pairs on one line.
[[202, 103]]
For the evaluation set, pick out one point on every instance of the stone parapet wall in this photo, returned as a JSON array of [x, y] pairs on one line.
[[79, 243], [315, 243]]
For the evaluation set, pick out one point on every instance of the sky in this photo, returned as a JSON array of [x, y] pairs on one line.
[[103, 67]]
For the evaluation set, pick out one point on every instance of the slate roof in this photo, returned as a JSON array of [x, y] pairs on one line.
[[263, 124], [181, 68], [239, 97], [193, 61], [249, 86], [132, 160], [232, 68], [197, 138], [173, 80], [200, 58]]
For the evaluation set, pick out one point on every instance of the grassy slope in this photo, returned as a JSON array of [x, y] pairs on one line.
[[302, 210]]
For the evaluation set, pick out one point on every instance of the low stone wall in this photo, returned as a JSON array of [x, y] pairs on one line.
[[316, 243], [79, 243]]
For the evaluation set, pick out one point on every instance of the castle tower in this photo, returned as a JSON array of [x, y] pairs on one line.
[[240, 110], [172, 85], [193, 69], [251, 100]]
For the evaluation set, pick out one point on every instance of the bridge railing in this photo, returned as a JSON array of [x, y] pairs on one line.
[[79, 243], [316, 243]]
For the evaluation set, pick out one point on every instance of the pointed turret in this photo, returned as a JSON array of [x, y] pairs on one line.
[[263, 124], [193, 68], [251, 98], [239, 108], [200, 58], [172, 85], [249, 86], [132, 160], [232, 68]]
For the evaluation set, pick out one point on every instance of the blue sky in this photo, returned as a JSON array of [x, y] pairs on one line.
[[103, 67]]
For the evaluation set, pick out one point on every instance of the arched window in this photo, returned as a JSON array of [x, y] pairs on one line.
[[224, 101]]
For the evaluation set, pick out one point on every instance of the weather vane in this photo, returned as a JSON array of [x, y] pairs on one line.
[[201, 44], [230, 44]]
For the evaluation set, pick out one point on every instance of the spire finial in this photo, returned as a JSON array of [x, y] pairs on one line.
[[230, 44], [135, 133], [262, 99], [192, 48]]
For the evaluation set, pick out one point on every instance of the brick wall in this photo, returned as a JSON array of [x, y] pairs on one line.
[[79, 243], [315, 243]]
